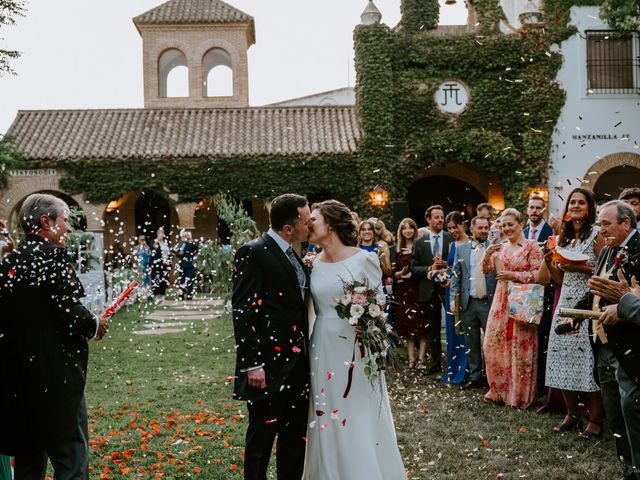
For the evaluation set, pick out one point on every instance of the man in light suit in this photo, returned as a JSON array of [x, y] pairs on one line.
[[476, 294], [270, 285], [429, 253], [44, 330]]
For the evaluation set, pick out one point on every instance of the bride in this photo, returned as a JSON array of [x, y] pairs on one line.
[[353, 437]]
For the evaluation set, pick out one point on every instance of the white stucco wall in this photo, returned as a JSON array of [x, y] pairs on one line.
[[614, 119]]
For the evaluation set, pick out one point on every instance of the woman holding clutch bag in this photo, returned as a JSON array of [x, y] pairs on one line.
[[570, 360], [510, 348]]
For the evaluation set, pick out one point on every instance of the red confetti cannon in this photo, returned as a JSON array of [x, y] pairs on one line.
[[123, 296]]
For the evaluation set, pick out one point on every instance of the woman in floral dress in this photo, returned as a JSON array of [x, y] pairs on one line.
[[510, 348]]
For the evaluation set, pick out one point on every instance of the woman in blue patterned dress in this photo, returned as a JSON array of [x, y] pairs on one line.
[[570, 361]]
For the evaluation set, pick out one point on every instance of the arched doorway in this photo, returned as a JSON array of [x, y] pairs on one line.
[[152, 211], [613, 181], [450, 192]]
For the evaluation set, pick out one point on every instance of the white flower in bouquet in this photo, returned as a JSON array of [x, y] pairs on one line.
[[356, 311], [375, 310], [344, 300], [360, 290]]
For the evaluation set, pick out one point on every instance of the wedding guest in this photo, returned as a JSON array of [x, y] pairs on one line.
[[457, 360], [428, 253], [160, 265], [44, 350], [186, 251], [410, 323], [485, 210], [539, 230], [476, 294], [142, 254], [511, 348], [617, 359], [368, 240], [632, 197], [570, 361]]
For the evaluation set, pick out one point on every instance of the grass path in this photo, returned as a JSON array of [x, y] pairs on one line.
[[161, 408]]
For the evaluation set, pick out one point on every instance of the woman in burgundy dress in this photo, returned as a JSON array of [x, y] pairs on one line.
[[410, 324]]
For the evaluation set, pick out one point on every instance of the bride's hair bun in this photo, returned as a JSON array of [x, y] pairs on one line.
[[338, 216]]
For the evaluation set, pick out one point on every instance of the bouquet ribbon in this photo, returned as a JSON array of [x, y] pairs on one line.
[[352, 365], [123, 297]]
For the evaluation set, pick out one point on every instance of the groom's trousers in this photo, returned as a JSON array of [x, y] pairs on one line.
[[283, 414]]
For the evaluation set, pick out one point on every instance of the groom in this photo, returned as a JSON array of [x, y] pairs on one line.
[[270, 284]]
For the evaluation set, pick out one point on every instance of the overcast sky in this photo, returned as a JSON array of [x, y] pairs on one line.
[[88, 54]]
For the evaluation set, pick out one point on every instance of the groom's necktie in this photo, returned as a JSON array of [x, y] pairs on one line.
[[297, 267]]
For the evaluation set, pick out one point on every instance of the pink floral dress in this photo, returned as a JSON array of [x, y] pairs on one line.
[[510, 348]]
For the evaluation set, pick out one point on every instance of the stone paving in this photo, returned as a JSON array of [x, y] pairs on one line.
[[175, 316]]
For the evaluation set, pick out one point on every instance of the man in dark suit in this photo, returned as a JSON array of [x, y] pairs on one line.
[[270, 285], [429, 254], [43, 348], [617, 344], [539, 230], [476, 294]]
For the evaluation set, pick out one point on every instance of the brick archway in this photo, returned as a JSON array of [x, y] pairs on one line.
[[606, 163], [487, 184]]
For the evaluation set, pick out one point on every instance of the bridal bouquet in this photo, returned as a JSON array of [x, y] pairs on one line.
[[363, 306]]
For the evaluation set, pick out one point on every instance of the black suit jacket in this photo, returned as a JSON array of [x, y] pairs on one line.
[[422, 260], [43, 345], [269, 316], [623, 337]]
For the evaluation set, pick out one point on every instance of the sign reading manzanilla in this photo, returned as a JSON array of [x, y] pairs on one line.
[[32, 173], [602, 136]]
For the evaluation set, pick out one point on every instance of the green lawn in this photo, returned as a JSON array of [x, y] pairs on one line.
[[161, 407]]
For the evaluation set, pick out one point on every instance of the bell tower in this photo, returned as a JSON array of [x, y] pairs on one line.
[[195, 54]]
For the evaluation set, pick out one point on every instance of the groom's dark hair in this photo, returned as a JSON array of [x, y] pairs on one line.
[[284, 210]]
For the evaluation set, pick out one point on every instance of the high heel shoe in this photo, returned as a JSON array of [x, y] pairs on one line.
[[588, 434], [573, 423]]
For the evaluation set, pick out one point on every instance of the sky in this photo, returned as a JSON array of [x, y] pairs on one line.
[[88, 54]]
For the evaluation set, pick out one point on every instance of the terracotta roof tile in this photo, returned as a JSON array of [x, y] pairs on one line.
[[193, 11], [184, 133]]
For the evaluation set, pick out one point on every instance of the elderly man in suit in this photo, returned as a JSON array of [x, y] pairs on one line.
[[43, 348], [270, 285], [617, 344], [476, 294], [429, 254]]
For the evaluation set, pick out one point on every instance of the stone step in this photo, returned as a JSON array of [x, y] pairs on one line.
[[160, 331], [171, 315], [165, 325]]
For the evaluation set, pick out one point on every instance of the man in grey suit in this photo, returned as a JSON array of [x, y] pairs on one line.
[[476, 294]]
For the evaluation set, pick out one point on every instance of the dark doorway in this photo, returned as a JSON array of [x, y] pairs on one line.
[[224, 231], [152, 211], [451, 193], [613, 181]]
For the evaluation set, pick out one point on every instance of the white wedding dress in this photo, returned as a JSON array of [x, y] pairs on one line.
[[349, 438]]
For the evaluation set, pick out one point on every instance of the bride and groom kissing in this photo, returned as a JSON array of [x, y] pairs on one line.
[[294, 384]]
